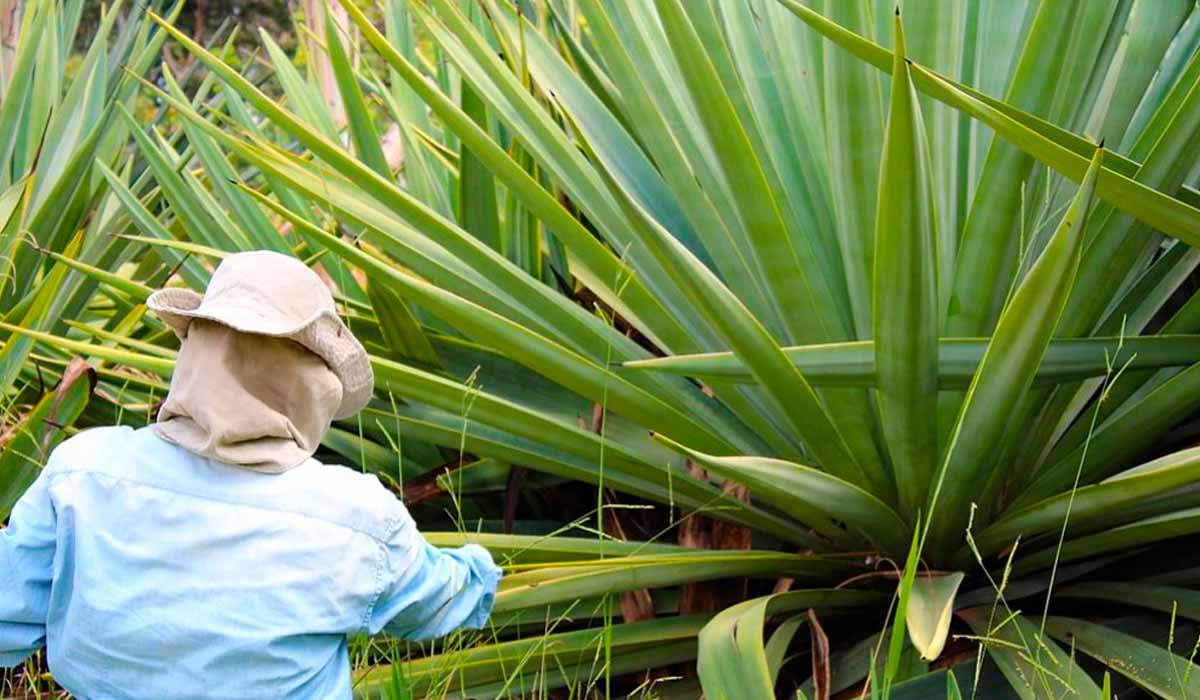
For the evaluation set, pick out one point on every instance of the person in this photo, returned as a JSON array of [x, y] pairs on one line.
[[210, 555]]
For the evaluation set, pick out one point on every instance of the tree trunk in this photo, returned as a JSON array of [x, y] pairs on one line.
[[11, 14], [314, 17]]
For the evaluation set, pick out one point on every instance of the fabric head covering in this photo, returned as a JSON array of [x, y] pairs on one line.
[[270, 294], [254, 401]]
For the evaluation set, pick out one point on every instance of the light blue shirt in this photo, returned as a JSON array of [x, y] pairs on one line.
[[150, 572]]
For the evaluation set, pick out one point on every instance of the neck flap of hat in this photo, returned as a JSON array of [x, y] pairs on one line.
[[251, 401]]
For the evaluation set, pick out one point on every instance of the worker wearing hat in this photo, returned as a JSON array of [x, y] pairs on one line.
[[209, 555]]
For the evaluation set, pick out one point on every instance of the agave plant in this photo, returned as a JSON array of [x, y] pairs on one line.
[[900, 301], [57, 118]]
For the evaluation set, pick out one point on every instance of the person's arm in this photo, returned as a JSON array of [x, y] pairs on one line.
[[26, 569], [427, 592]]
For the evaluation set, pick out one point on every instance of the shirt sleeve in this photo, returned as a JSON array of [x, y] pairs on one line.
[[428, 592], [26, 569]]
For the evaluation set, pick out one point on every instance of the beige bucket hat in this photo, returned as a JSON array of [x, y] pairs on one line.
[[268, 293]]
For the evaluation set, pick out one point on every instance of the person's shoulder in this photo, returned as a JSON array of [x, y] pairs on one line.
[[355, 498], [121, 452], [345, 482], [89, 447]]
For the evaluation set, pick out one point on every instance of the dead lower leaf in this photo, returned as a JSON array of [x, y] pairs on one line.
[[76, 368], [822, 671]]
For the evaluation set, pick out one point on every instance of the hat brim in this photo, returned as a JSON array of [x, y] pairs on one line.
[[177, 307], [324, 335]]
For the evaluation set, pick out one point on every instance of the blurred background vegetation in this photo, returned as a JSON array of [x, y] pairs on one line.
[[202, 19]]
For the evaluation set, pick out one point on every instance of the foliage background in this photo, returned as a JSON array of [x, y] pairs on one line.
[[536, 226]]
